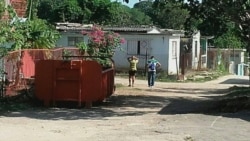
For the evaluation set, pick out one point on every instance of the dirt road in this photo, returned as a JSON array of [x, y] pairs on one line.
[[168, 112]]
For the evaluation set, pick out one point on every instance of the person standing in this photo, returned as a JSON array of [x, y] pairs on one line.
[[132, 69], [152, 65]]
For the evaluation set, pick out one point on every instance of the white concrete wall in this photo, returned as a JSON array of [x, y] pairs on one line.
[[195, 58], [174, 59], [160, 50], [120, 56], [63, 41], [159, 47]]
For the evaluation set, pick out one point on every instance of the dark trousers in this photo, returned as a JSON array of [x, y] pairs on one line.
[[151, 78]]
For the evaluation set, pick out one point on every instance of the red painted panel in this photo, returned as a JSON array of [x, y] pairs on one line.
[[67, 79], [92, 79], [28, 67], [44, 80]]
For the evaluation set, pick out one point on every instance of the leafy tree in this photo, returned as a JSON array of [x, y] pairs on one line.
[[80, 11], [229, 40], [27, 34], [215, 16], [2, 7], [60, 10], [139, 18], [41, 34], [239, 13], [145, 6], [166, 13], [101, 12], [31, 11], [122, 15]]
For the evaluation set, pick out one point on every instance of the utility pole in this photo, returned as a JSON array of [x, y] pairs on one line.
[[30, 10]]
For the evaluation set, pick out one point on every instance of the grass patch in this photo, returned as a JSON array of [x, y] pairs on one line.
[[119, 85], [194, 76]]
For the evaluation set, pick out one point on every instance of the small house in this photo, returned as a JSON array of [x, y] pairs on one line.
[[143, 42]]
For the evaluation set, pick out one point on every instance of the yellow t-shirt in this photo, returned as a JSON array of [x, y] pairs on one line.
[[133, 64]]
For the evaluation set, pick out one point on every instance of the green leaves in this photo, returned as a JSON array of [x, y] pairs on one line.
[[166, 13], [29, 34], [2, 7], [41, 35], [82, 46], [228, 40], [60, 10]]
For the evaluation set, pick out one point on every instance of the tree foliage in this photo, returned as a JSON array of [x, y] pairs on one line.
[[214, 17], [26, 34], [211, 17], [139, 18], [229, 40], [2, 7], [146, 7], [102, 12], [59, 10], [166, 13]]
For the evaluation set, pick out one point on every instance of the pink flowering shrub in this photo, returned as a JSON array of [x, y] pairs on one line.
[[103, 43]]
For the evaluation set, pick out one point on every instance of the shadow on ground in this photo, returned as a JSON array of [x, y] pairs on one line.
[[213, 106], [129, 105], [188, 91], [115, 106], [236, 81]]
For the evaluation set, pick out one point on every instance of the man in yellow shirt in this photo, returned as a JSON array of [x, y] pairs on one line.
[[132, 69]]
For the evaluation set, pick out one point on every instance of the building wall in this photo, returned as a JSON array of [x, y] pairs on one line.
[[128, 49], [196, 51], [63, 41], [155, 45], [161, 50], [18, 5], [158, 46], [204, 44], [174, 55]]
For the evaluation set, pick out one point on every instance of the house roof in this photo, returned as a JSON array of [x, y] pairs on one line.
[[76, 27]]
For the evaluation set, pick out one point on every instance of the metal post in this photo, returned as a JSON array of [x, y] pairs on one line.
[[146, 59]]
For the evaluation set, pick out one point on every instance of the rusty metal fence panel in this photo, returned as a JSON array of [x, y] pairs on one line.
[[30, 57]]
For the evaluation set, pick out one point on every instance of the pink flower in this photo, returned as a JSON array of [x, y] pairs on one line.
[[107, 42], [122, 41]]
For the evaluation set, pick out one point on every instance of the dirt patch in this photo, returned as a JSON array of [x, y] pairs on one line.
[[170, 111]]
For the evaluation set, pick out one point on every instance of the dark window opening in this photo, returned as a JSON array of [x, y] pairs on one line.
[[138, 47]]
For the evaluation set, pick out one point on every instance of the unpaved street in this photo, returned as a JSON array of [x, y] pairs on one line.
[[168, 112]]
